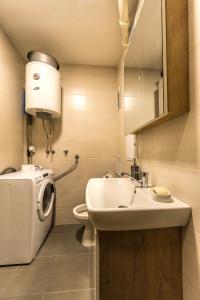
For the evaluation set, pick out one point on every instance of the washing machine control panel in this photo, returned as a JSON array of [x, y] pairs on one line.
[[43, 175], [46, 175], [38, 179]]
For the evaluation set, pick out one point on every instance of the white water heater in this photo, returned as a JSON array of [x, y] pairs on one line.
[[43, 90]]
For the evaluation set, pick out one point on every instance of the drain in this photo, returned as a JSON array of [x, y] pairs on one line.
[[122, 206]]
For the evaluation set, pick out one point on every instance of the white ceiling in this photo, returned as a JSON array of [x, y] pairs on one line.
[[74, 31]]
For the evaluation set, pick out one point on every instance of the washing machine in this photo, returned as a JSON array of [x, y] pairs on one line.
[[26, 209]]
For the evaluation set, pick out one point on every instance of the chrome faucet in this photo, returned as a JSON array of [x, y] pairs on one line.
[[145, 179], [143, 182]]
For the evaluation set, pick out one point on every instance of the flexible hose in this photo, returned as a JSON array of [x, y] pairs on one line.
[[47, 136], [71, 169], [8, 170]]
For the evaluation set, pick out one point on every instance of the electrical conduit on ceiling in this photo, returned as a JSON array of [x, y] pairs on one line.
[[128, 25], [124, 21], [136, 17]]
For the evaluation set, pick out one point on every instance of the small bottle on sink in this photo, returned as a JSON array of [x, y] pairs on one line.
[[135, 170]]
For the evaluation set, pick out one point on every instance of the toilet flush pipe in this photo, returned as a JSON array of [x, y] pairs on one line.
[[124, 21]]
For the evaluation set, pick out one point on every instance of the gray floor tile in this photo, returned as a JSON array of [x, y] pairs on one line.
[[31, 297], [92, 263], [71, 244], [39, 265], [4, 269], [62, 281], [62, 265], [72, 295], [52, 246], [5, 277], [65, 229], [78, 263], [22, 284]]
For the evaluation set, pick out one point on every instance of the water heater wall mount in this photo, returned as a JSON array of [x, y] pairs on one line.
[[43, 90]]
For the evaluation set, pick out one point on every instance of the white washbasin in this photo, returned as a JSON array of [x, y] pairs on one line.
[[106, 198]]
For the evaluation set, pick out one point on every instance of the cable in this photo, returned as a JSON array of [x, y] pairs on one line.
[[71, 169]]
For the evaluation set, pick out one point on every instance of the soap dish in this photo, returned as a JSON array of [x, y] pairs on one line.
[[161, 194]]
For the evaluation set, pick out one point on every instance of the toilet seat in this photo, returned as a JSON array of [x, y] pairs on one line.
[[80, 212]]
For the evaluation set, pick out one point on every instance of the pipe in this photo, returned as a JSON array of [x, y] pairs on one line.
[[137, 15], [71, 169], [29, 122], [124, 21]]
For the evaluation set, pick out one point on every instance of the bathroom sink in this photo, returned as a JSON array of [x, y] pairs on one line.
[[113, 205]]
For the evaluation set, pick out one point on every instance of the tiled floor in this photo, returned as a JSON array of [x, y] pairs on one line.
[[62, 270]]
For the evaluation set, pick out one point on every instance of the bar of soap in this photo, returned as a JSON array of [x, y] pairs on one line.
[[159, 190], [161, 194]]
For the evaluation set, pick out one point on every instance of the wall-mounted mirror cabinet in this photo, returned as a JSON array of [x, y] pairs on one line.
[[156, 72]]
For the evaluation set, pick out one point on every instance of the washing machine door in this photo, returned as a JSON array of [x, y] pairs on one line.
[[46, 199]]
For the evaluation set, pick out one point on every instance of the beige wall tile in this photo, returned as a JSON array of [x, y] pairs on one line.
[[88, 127], [182, 182], [11, 113], [188, 292], [170, 153], [194, 22], [99, 165], [191, 258], [104, 102], [70, 198], [194, 77], [65, 216]]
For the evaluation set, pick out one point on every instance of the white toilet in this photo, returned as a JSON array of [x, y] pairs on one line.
[[81, 214]]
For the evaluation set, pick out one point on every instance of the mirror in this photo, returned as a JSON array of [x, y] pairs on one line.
[[143, 69], [156, 76]]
